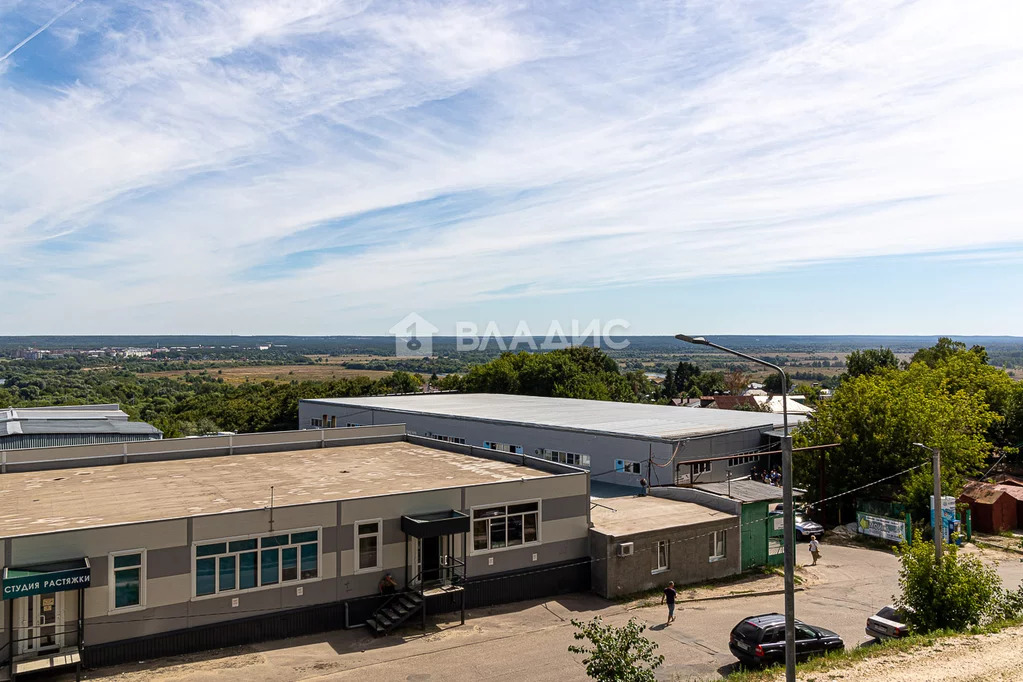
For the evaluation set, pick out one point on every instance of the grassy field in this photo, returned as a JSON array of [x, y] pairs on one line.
[[239, 375]]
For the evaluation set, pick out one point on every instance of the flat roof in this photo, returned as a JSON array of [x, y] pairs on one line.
[[86, 497], [618, 516], [745, 490], [637, 420], [70, 419]]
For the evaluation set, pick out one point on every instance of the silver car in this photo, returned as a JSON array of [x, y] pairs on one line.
[[888, 623]]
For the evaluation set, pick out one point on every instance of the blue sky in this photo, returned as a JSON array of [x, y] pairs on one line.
[[327, 167]]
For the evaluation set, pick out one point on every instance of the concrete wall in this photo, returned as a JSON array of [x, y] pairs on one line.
[[169, 601], [688, 561], [603, 450], [38, 459]]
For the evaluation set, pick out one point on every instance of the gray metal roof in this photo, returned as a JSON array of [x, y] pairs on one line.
[[593, 416], [745, 490], [72, 419]]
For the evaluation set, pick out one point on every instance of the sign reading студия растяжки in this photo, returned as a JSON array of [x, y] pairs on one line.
[[26, 582]]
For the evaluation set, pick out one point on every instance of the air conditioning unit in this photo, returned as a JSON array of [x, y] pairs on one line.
[[625, 549]]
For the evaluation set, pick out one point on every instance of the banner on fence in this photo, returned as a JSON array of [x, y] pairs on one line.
[[881, 527]]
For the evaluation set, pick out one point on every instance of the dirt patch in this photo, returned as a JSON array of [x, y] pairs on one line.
[[978, 658]]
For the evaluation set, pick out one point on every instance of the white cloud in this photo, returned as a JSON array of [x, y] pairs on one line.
[[203, 140]]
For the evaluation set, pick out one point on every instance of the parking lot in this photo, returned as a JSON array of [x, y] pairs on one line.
[[529, 640]]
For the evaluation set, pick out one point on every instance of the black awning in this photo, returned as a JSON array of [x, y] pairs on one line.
[[52, 576], [435, 524]]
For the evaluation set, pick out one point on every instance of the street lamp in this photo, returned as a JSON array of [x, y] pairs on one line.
[[788, 512], [938, 516]]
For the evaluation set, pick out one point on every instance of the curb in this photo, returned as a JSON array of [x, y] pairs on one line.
[[682, 602], [768, 593]]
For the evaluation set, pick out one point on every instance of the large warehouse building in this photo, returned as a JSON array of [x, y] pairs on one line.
[[133, 551], [617, 442]]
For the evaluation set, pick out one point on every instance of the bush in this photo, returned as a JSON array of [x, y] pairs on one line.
[[618, 654], [954, 595]]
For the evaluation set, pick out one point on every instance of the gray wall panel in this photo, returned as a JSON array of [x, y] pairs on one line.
[[171, 561], [565, 507]]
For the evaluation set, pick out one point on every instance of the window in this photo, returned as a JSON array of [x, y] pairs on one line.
[[367, 546], [505, 526], [627, 467], [247, 563], [502, 447], [700, 467], [662, 557], [447, 439], [351, 424], [739, 461], [128, 580], [717, 545], [315, 422], [571, 458]]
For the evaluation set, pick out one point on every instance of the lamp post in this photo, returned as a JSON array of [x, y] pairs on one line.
[[939, 518], [788, 512]]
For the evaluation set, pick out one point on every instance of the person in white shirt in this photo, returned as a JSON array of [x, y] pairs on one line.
[[815, 549]]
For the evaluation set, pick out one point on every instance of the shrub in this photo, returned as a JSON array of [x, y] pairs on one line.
[[955, 594], [617, 654]]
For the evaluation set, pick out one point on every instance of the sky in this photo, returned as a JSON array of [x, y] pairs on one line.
[[319, 167]]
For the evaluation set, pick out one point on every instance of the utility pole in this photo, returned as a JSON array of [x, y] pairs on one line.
[[939, 517], [788, 512]]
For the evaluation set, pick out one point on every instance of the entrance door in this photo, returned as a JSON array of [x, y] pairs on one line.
[[431, 559], [39, 619]]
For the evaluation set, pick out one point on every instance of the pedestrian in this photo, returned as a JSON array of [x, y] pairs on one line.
[[669, 596], [642, 487], [815, 549], [388, 585]]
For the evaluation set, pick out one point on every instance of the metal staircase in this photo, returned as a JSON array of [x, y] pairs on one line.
[[394, 612]]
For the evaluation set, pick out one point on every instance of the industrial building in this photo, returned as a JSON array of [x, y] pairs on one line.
[[130, 551], [619, 443], [45, 427]]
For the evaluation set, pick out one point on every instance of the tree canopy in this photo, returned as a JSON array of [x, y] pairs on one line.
[[869, 361]]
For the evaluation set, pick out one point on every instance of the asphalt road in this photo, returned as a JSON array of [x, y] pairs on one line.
[[529, 641]]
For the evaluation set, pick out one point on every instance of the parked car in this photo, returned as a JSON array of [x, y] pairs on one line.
[[804, 526], [888, 623], [760, 640]]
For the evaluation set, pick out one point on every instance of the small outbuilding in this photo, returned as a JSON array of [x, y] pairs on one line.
[[638, 543], [992, 508]]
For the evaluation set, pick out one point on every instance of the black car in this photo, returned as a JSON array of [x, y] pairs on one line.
[[760, 640]]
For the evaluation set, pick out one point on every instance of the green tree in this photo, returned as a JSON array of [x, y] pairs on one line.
[[959, 592], [616, 654], [686, 375], [943, 350], [876, 418], [869, 361], [710, 382]]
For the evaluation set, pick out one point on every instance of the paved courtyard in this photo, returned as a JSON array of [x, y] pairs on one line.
[[529, 640]]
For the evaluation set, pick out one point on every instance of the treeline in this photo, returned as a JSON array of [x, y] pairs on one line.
[[193, 405], [576, 372]]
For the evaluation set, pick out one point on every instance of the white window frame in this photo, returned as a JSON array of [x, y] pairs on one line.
[[742, 460], [237, 591], [112, 583], [315, 422], [701, 467], [503, 447], [565, 457], [379, 535], [661, 568], [718, 538], [627, 466], [447, 439], [539, 527]]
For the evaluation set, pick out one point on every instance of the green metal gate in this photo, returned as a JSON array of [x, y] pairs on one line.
[[754, 534]]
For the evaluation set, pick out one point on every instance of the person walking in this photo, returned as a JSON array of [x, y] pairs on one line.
[[669, 596], [815, 549]]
